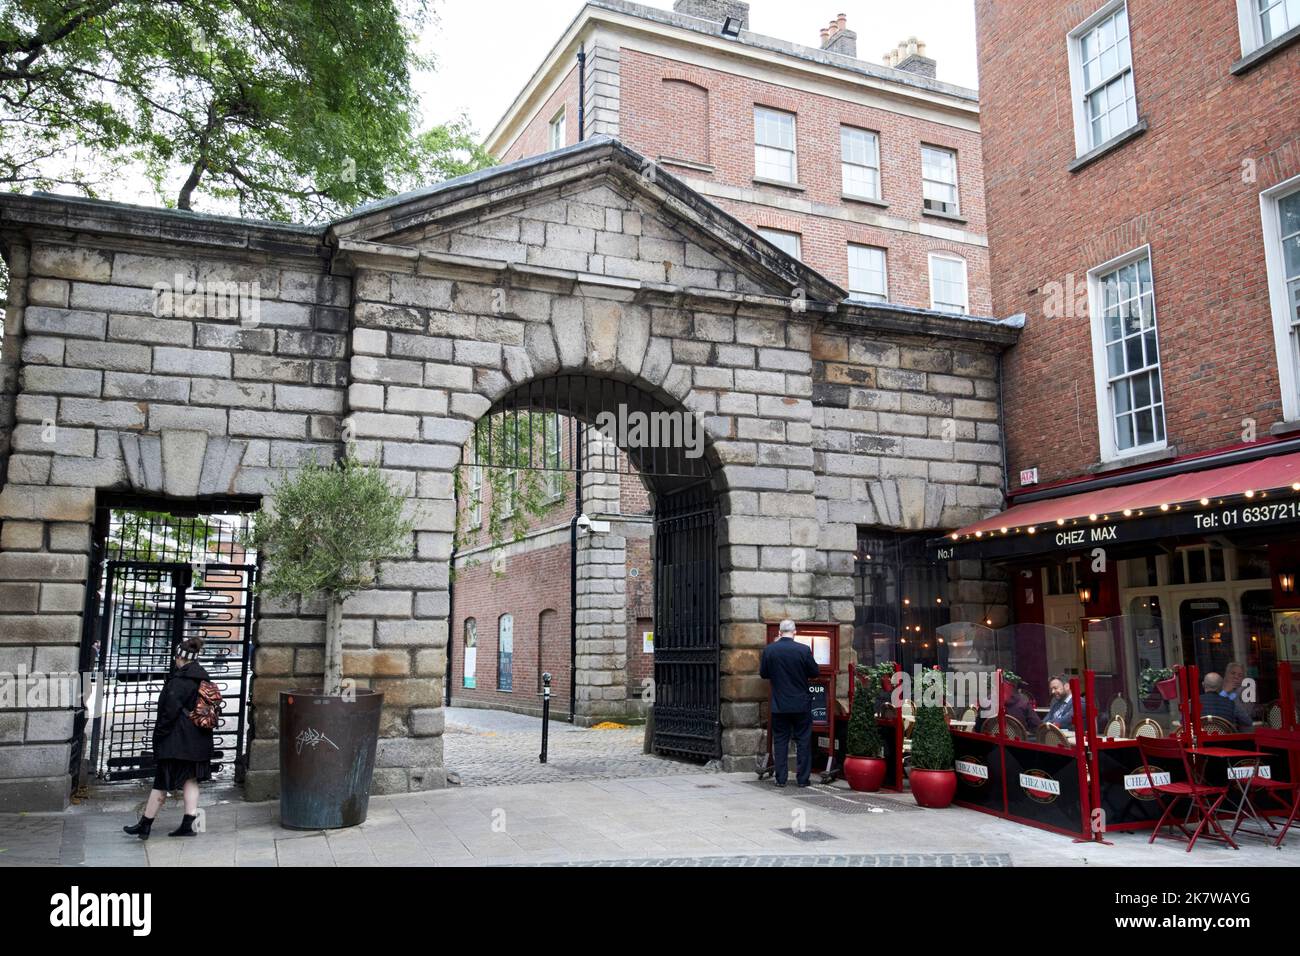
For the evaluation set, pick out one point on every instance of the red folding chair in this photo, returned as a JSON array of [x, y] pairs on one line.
[[1275, 789], [1204, 799]]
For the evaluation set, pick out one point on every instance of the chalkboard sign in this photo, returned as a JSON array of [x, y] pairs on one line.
[[818, 692]]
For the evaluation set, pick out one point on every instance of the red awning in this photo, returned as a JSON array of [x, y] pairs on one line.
[[1255, 494]]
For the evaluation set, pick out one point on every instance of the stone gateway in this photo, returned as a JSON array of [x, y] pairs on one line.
[[185, 358]]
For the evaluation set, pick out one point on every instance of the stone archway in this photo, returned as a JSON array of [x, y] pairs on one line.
[[620, 430]]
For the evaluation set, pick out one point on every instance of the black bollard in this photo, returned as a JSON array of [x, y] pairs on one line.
[[546, 713]]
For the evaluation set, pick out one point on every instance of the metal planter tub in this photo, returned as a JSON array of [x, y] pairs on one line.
[[327, 757]]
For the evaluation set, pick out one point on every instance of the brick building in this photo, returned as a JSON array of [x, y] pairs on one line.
[[872, 174], [1143, 187]]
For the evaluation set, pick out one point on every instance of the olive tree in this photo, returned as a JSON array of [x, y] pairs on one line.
[[326, 531]]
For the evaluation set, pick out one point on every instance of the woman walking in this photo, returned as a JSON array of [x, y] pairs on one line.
[[181, 747]]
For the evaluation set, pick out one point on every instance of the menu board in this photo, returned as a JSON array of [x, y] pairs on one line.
[[818, 691], [1286, 629]]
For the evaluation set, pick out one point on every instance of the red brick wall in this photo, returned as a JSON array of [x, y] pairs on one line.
[[640, 613], [659, 118], [1179, 187], [533, 582], [536, 134]]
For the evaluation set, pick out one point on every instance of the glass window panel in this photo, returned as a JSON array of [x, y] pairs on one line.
[[1146, 431], [1289, 211], [1115, 355], [867, 272], [1124, 432], [1141, 391], [1133, 352], [787, 242], [1291, 256]]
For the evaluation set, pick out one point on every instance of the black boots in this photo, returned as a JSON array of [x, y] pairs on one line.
[[141, 829], [186, 828]]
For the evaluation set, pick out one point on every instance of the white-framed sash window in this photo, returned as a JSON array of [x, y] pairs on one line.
[[948, 287], [1126, 356], [774, 149], [867, 276], [1263, 21], [787, 242], [1280, 212], [557, 133], [859, 162], [939, 180], [1101, 77]]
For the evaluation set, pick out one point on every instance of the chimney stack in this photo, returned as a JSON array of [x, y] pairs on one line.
[[715, 10], [838, 38], [910, 57]]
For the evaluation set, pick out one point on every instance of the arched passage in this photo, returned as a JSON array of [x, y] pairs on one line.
[[621, 430]]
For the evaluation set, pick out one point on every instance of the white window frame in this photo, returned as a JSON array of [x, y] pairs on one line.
[[559, 124], [773, 236], [965, 281], [794, 144], [1082, 125], [955, 184], [476, 496], [1286, 342], [1109, 448], [1251, 25], [863, 294], [873, 138], [555, 436]]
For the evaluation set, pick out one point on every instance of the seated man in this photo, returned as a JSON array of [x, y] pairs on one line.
[[1020, 706], [1214, 704], [1234, 677], [1061, 710]]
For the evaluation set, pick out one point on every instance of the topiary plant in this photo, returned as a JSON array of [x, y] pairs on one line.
[[931, 738], [330, 527], [863, 734]]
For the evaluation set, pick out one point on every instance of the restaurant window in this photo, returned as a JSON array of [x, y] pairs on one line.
[[1250, 564], [859, 163], [787, 242], [948, 283], [1263, 21], [774, 153], [1101, 75], [1199, 565], [1126, 356], [901, 600], [1280, 209], [939, 180], [505, 652], [1140, 572], [867, 278], [556, 132], [1061, 578]]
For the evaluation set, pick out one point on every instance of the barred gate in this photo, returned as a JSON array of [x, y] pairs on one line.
[[687, 647], [166, 578]]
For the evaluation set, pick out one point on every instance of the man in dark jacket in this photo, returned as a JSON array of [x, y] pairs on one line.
[[789, 665]]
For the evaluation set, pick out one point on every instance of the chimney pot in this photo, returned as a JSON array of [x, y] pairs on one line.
[[838, 38]]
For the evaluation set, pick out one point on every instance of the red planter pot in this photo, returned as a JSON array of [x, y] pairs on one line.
[[933, 788], [1168, 688], [865, 774]]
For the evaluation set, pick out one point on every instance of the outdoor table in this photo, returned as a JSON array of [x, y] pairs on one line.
[[1244, 804]]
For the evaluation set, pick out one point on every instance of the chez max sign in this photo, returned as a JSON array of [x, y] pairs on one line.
[[1077, 534]]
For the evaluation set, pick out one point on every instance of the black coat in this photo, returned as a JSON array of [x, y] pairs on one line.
[[175, 736], [788, 665]]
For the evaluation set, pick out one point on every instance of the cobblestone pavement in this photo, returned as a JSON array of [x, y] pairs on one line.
[[491, 747], [678, 819]]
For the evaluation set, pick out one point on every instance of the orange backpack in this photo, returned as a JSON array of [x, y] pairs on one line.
[[207, 706]]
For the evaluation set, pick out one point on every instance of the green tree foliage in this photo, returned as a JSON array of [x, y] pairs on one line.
[[291, 109], [329, 529], [521, 459], [864, 734], [931, 738]]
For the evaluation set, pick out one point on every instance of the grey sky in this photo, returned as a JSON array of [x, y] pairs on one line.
[[486, 51]]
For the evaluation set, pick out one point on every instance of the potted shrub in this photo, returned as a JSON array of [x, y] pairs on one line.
[[933, 779], [329, 528], [864, 764], [1158, 679]]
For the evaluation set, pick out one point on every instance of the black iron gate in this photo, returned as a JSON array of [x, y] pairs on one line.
[[686, 702], [195, 580]]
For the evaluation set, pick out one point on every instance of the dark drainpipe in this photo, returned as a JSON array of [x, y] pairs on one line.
[[582, 94], [451, 620]]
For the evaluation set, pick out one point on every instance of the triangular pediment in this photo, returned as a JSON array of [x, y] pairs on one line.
[[595, 208]]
